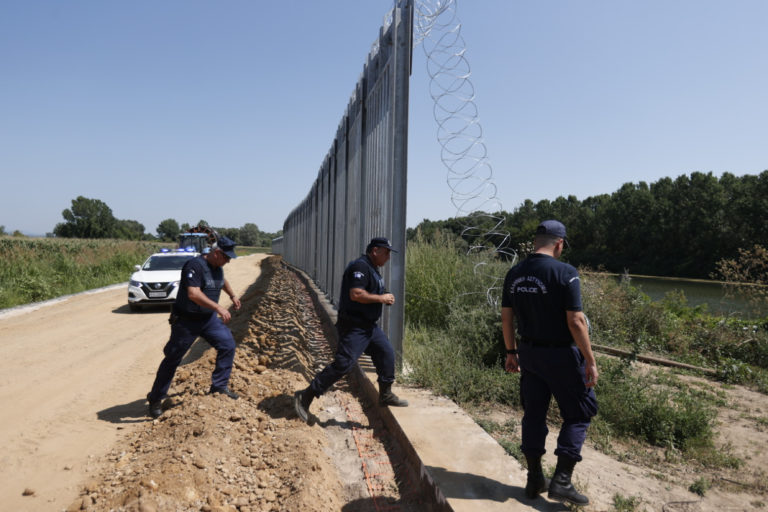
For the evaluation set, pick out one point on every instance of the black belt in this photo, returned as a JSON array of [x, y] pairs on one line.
[[354, 321], [193, 316], [545, 343]]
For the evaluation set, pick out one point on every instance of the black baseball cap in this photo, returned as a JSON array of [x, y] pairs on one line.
[[380, 241], [226, 245], [552, 228]]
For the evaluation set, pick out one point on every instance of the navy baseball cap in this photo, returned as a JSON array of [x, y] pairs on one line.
[[226, 245], [380, 241], [552, 228]]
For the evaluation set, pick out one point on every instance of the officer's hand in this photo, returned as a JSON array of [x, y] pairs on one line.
[[591, 373], [512, 364], [225, 316], [388, 299], [236, 303]]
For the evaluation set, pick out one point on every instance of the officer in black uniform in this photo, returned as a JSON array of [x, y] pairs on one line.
[[543, 296], [360, 305], [196, 313]]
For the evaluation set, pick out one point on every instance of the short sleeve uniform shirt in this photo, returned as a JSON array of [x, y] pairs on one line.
[[540, 290], [198, 273], [361, 273]]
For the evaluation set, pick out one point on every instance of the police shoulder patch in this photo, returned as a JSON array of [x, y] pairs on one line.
[[358, 275]]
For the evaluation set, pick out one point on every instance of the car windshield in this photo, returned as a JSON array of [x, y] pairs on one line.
[[165, 262]]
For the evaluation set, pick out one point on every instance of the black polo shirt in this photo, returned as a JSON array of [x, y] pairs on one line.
[[198, 273], [361, 273], [540, 290]]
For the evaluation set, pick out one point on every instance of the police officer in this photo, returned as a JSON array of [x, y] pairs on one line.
[[360, 306], [196, 313], [543, 297]]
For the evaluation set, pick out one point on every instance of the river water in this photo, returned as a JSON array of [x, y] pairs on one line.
[[696, 292]]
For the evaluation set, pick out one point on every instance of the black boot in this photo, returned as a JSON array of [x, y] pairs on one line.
[[537, 483], [301, 402], [155, 407], [387, 397], [560, 488]]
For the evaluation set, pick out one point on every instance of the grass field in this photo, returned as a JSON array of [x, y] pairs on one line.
[[36, 269]]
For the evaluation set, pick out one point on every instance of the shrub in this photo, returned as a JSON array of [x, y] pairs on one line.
[[624, 504], [746, 275], [700, 486], [438, 361], [675, 418], [439, 277]]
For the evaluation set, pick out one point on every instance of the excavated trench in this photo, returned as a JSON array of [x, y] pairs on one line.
[[211, 453]]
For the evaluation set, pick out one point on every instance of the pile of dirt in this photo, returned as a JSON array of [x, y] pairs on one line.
[[212, 453]]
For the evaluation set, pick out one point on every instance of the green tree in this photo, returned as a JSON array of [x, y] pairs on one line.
[[168, 230], [250, 234], [87, 218], [2, 231], [231, 233], [674, 227], [129, 230]]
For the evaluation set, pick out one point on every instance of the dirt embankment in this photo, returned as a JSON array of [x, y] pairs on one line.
[[212, 453], [73, 376]]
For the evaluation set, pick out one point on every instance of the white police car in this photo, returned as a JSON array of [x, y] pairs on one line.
[[157, 280]]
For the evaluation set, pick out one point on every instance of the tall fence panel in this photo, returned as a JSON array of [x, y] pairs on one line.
[[360, 190]]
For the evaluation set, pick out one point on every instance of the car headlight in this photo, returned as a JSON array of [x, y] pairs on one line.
[[137, 284], [175, 284]]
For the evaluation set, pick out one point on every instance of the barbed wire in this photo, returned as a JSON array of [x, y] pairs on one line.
[[437, 28]]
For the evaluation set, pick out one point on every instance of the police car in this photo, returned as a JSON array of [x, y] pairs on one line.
[[157, 280]]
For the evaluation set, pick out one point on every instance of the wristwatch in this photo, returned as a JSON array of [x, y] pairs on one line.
[[511, 351]]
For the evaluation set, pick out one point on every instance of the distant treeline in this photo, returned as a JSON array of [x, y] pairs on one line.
[[93, 219], [674, 227]]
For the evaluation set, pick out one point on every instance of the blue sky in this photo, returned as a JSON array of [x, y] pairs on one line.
[[224, 110]]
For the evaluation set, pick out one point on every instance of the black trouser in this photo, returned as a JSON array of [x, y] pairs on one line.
[[558, 372], [354, 341]]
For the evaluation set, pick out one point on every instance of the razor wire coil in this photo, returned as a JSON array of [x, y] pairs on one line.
[[437, 29]]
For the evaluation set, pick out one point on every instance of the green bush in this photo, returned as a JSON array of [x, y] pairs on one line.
[[659, 414], [441, 277], [700, 486], [477, 331], [624, 504], [623, 316], [438, 361]]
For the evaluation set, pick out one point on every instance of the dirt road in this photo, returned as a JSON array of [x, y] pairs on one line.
[[66, 369]]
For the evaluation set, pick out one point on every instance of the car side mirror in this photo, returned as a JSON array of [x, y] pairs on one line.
[[137, 267]]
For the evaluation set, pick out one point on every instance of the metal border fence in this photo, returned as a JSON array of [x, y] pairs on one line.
[[360, 190]]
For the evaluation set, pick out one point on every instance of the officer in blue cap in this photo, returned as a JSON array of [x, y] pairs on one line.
[[360, 305], [554, 357], [197, 312]]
